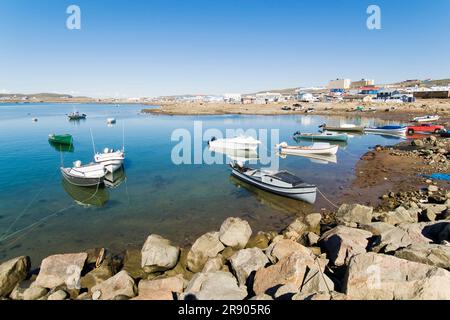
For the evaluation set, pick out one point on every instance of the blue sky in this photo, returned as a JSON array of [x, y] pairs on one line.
[[159, 47]]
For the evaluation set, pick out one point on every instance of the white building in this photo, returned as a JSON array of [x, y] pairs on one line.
[[232, 97], [268, 97], [339, 84], [306, 97]]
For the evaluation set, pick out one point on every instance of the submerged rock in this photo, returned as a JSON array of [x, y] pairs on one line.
[[235, 232], [379, 276], [205, 247], [158, 254], [61, 269], [12, 272]]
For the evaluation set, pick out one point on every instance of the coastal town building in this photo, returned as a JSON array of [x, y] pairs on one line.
[[362, 83], [339, 84], [268, 97], [232, 97], [306, 97], [432, 94]]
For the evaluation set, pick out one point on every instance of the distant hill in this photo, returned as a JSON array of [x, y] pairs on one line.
[[40, 96]]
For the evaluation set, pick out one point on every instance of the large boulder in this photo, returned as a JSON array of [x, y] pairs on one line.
[[354, 213], [377, 228], [379, 276], [302, 225], [246, 261], [61, 269], [289, 270], [11, 273], [160, 289], [432, 254], [341, 243], [400, 215], [285, 247], [158, 254], [235, 232], [205, 247], [119, 285], [401, 237], [214, 286], [316, 281]]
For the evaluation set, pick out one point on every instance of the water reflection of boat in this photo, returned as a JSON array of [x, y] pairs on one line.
[[62, 147], [83, 196], [314, 158], [115, 179], [237, 155], [274, 201]]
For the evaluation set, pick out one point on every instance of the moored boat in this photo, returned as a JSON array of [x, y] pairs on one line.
[[427, 118], [343, 127], [330, 136], [395, 130], [111, 120], [76, 116], [237, 143], [111, 159], [65, 139], [316, 148], [88, 175], [282, 183]]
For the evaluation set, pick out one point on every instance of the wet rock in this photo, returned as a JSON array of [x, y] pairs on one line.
[[214, 286], [12, 272], [432, 254], [379, 276], [61, 269], [158, 254], [120, 284], [260, 240], [133, 264], [341, 243], [34, 293], [289, 270], [377, 228], [96, 276], [58, 295], [205, 247], [285, 247], [235, 232], [214, 264], [247, 261], [354, 213]]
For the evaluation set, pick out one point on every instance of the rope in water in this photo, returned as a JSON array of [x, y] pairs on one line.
[[328, 200], [30, 227]]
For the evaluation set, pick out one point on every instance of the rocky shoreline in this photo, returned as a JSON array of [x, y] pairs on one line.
[[397, 250]]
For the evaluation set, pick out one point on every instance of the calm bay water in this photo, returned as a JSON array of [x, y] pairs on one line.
[[40, 215]]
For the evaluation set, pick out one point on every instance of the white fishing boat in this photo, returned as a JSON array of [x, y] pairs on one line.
[[283, 183], [315, 148], [111, 120], [347, 127], [427, 118], [327, 135], [111, 159], [237, 143], [392, 130], [236, 154], [84, 175]]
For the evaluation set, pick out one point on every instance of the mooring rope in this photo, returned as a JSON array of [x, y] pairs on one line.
[[30, 227], [328, 200]]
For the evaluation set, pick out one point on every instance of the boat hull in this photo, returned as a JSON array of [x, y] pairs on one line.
[[232, 145], [61, 139], [324, 138], [306, 194], [81, 181], [386, 131], [297, 151], [344, 129]]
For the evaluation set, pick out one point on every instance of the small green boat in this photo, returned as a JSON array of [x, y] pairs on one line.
[[65, 139]]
